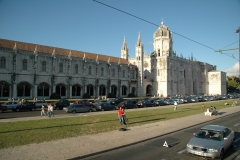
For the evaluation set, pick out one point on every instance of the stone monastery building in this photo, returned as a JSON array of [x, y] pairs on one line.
[[31, 70]]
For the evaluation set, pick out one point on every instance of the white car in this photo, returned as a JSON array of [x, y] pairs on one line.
[[10, 105]]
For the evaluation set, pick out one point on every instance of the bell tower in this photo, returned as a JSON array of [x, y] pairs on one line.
[[162, 41], [139, 62]]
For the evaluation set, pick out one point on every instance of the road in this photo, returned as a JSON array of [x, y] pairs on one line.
[[154, 149]]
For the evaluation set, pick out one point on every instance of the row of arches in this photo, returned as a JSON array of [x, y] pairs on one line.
[[25, 89]]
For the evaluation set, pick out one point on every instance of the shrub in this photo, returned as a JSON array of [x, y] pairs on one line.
[[131, 95], [86, 96], [111, 95], [55, 96]]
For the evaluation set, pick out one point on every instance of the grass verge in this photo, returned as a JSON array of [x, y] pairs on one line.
[[37, 131]]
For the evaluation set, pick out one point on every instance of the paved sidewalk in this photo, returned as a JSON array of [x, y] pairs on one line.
[[89, 144]]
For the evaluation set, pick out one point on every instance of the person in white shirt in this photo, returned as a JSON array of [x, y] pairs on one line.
[[175, 105], [51, 110]]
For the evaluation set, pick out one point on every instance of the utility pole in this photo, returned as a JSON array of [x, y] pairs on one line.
[[238, 31]]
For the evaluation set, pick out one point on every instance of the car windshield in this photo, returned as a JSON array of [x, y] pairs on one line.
[[209, 134]]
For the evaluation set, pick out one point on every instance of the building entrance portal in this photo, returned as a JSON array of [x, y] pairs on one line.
[[149, 90]]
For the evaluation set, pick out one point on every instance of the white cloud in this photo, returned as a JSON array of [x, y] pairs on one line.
[[234, 71]]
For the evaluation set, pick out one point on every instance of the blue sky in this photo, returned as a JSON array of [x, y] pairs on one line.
[[86, 25]]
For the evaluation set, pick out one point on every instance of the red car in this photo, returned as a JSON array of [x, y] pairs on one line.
[[3, 108]]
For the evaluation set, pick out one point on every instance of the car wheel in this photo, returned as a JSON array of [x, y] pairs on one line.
[[114, 108], [221, 155], [1, 111], [57, 108], [17, 110], [102, 109], [33, 109], [73, 111], [89, 110]]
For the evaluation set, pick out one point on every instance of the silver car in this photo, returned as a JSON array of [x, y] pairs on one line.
[[211, 141], [10, 105], [73, 108]]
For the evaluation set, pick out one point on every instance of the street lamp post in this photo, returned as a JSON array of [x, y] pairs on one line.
[[238, 31]]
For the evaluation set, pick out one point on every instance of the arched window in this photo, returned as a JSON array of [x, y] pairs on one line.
[[76, 69], [60, 68], [61, 90], [90, 90], [3, 62], [124, 90], [43, 90], [24, 64], [123, 74], [102, 71], [44, 66], [4, 89], [76, 90], [90, 70], [23, 89], [158, 52]]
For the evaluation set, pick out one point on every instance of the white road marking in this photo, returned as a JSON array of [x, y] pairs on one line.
[[237, 140], [180, 152]]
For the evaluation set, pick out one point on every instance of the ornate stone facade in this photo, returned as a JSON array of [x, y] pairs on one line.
[[30, 70]]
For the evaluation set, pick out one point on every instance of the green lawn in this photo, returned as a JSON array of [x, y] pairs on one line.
[[37, 131]]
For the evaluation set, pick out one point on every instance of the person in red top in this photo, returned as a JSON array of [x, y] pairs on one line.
[[121, 115]]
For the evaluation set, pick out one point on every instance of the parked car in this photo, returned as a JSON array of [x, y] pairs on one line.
[[211, 141], [61, 103], [97, 103], [40, 103], [192, 99], [127, 104], [86, 102], [74, 108], [158, 102], [10, 105], [3, 108], [144, 103], [106, 107], [117, 101], [26, 106]]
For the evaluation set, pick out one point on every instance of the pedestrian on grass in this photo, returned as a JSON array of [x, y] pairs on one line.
[[233, 104], [120, 115], [175, 105], [51, 109], [203, 108], [43, 111]]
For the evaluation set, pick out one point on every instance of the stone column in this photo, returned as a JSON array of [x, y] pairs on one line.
[[35, 91], [70, 91], [14, 90]]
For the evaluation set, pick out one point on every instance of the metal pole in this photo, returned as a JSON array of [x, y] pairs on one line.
[[238, 31]]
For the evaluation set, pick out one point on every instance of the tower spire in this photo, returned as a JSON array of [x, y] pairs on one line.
[[124, 50]]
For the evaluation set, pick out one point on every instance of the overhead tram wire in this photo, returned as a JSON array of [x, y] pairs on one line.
[[156, 25]]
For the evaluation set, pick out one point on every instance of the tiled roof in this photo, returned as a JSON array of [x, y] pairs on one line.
[[58, 51]]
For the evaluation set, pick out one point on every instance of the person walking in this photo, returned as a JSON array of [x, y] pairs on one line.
[[233, 103], [175, 105], [49, 111], [203, 107], [43, 111]]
